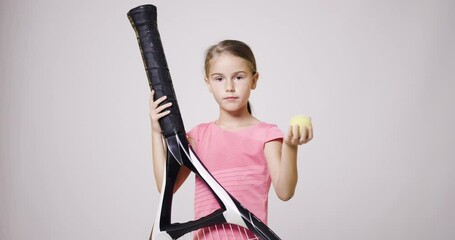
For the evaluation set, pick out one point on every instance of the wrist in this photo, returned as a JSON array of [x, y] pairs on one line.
[[156, 131], [290, 145]]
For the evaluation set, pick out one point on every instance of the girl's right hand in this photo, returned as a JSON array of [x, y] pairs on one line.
[[157, 112]]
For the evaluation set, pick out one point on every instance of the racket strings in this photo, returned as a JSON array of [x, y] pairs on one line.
[[224, 232], [221, 232]]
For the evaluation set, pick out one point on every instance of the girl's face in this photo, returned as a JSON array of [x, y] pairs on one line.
[[230, 80]]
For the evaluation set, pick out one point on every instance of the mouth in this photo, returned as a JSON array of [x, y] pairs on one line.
[[230, 98]]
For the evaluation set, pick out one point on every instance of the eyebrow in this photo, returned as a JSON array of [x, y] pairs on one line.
[[213, 74]]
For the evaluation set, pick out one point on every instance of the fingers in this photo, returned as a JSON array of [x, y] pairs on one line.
[[293, 136], [306, 135], [297, 136], [157, 109], [310, 134]]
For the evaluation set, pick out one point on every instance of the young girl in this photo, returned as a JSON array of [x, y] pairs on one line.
[[244, 154]]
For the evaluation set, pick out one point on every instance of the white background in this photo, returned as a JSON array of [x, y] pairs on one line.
[[377, 77]]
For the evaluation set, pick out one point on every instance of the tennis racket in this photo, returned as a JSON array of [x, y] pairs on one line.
[[231, 220]]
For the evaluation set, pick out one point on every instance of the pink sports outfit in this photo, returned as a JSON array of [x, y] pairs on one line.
[[236, 160]]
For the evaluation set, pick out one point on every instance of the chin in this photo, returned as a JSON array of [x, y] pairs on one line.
[[232, 109]]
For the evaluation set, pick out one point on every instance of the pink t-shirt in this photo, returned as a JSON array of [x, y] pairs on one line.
[[236, 160]]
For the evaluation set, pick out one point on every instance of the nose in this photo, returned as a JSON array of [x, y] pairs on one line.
[[230, 86]]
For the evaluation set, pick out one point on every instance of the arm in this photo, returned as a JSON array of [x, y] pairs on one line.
[[159, 148], [282, 160]]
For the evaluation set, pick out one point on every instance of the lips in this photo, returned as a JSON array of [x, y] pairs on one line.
[[230, 98]]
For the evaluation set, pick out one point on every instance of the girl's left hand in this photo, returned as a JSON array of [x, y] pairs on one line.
[[295, 136]]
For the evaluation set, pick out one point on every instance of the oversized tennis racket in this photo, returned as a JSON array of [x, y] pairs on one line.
[[231, 220]]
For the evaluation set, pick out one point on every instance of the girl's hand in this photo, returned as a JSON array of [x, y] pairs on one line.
[[296, 136], [157, 112]]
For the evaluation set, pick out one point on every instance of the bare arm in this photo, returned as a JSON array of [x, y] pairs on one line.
[[282, 160], [159, 148]]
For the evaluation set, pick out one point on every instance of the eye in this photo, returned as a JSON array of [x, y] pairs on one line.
[[239, 77], [217, 78]]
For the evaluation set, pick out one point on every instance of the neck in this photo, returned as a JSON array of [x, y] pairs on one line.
[[235, 120]]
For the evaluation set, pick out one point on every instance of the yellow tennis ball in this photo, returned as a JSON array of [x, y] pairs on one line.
[[302, 121]]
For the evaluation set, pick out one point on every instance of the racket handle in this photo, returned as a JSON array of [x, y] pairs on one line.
[[143, 20]]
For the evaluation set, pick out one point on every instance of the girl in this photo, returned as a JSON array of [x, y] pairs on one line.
[[245, 155]]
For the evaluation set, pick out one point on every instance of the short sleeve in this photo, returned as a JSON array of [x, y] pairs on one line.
[[274, 133], [193, 133]]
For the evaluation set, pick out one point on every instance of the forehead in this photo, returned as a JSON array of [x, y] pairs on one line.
[[226, 63]]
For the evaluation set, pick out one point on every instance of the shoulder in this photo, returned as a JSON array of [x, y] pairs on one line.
[[269, 131], [194, 135], [266, 125], [269, 127], [196, 131]]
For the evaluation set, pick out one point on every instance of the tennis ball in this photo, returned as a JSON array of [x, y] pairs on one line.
[[302, 121]]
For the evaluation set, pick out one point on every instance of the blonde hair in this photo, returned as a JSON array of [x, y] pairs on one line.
[[234, 47]]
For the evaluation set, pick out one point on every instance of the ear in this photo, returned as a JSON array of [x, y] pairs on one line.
[[255, 81], [207, 84]]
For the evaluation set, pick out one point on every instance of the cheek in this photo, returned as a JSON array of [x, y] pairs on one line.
[[245, 93], [209, 87], [246, 88], [248, 93], [216, 92]]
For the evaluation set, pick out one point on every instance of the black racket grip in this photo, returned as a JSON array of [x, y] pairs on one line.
[[143, 20]]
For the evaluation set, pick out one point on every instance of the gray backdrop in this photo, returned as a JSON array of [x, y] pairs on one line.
[[377, 77]]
